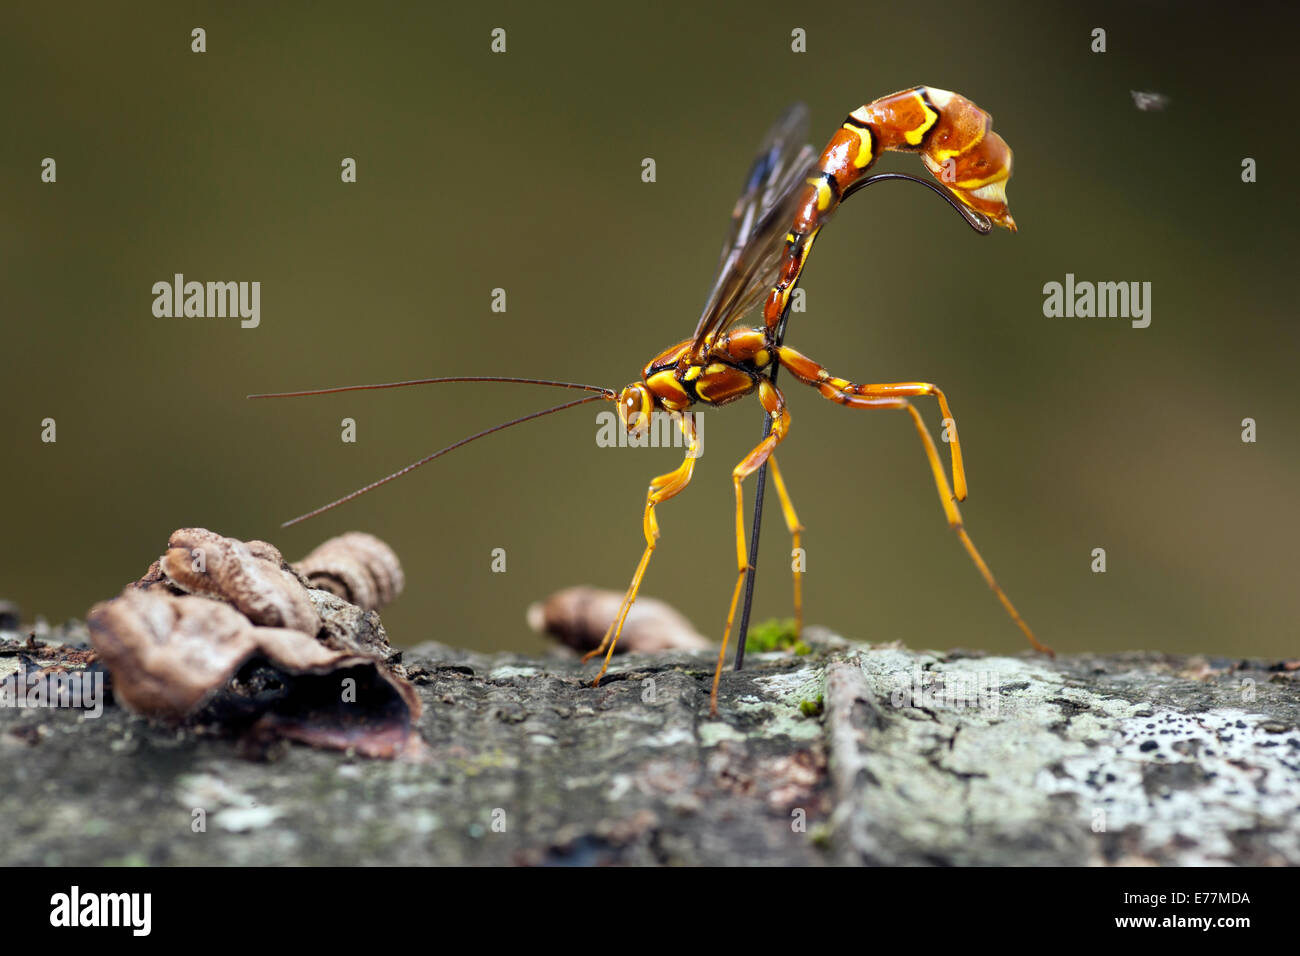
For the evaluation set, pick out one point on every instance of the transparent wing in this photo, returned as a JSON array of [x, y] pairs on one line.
[[781, 143], [759, 223]]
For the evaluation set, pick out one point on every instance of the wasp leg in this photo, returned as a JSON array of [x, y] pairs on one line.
[[661, 489], [887, 396], [809, 372], [796, 530], [774, 404]]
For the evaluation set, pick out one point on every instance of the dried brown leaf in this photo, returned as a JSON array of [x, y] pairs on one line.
[[579, 616]]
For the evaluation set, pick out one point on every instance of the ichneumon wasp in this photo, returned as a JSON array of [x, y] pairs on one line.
[[789, 196]]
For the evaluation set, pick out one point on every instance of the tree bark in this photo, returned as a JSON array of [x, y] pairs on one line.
[[854, 754]]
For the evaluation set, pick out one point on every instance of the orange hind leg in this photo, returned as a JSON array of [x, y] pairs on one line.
[[895, 396]]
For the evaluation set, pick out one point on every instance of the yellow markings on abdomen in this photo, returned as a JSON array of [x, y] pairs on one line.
[[865, 155], [914, 136], [824, 194], [807, 247], [783, 290]]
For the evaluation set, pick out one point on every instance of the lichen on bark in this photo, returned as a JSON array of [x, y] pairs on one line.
[[852, 754]]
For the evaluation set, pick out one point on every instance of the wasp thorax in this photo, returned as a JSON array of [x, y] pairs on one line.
[[635, 404]]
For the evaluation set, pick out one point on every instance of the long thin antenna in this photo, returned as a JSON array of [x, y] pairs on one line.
[[435, 381], [605, 394]]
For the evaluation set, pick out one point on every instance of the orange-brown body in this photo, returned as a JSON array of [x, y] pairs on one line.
[[719, 365]]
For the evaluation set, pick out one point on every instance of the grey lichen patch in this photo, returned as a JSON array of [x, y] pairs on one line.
[[1186, 786], [713, 732], [778, 695], [509, 672], [789, 687], [244, 819], [1011, 760], [208, 791]]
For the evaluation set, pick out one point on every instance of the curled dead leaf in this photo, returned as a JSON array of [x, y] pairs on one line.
[[189, 642], [170, 654], [356, 566], [578, 617], [249, 576]]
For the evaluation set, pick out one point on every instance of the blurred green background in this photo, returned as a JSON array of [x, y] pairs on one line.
[[522, 171]]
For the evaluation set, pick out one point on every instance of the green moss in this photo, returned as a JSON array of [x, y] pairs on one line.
[[820, 836], [775, 635], [812, 708], [478, 763]]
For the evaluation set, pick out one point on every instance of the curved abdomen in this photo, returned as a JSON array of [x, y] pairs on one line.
[[956, 143]]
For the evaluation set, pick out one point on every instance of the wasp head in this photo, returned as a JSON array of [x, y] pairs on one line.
[[635, 404]]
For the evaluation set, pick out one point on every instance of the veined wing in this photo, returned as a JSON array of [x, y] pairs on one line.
[[780, 143], [760, 220]]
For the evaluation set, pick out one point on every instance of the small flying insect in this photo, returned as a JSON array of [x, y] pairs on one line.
[[789, 195]]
